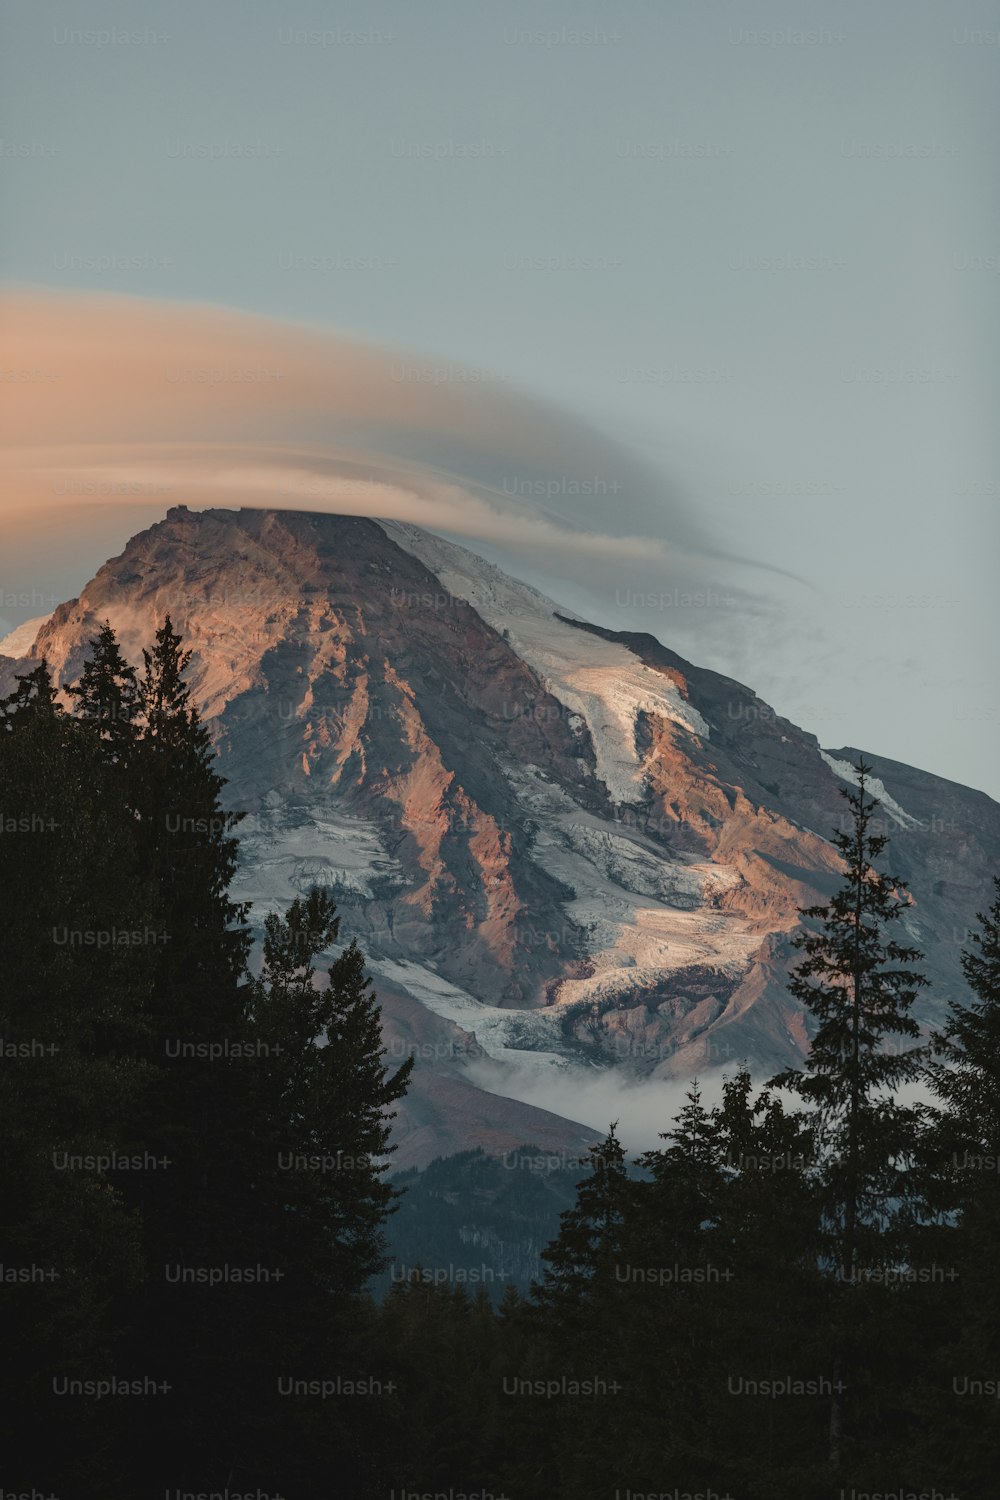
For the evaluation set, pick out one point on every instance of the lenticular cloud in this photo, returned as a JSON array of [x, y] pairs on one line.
[[120, 407], [126, 401]]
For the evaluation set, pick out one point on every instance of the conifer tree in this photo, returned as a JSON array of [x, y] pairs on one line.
[[686, 1174], [293, 1181], [34, 697], [107, 695], [859, 985], [197, 1005], [188, 833], [325, 1093], [588, 1232], [965, 1073], [963, 1150], [190, 1112], [73, 1020]]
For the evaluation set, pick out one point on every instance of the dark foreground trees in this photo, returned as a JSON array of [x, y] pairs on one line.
[[959, 1388], [193, 1174], [795, 1302], [74, 1035]]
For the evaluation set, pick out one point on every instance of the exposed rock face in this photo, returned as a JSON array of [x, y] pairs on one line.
[[560, 846], [331, 682]]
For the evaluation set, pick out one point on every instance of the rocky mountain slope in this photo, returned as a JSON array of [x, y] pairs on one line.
[[561, 847]]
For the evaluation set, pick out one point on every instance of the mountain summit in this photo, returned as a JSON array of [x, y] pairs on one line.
[[561, 847]]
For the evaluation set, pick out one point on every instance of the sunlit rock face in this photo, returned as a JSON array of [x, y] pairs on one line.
[[560, 847]]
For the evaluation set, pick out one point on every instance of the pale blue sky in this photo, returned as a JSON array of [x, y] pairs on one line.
[[616, 224]]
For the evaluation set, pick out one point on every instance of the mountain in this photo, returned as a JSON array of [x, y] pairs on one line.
[[566, 851]]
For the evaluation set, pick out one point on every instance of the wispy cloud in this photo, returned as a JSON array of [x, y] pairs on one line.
[[128, 402], [644, 1109], [119, 407]]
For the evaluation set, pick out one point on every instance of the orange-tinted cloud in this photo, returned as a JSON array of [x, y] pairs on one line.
[[124, 401]]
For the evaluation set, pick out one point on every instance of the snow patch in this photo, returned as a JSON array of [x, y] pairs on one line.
[[285, 850], [527, 1037], [602, 682], [643, 911], [847, 772], [21, 639]]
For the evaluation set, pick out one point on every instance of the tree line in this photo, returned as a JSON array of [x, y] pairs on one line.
[[795, 1295]]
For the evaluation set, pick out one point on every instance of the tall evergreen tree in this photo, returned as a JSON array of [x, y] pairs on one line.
[[74, 994], [292, 1182], [965, 1073], [963, 1152], [107, 695], [859, 984], [588, 1233], [687, 1173], [324, 1093], [189, 836], [34, 698], [192, 1109]]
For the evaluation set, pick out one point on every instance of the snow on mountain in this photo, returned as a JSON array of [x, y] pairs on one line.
[[642, 912], [603, 684], [20, 640], [284, 850], [876, 788], [524, 1037]]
